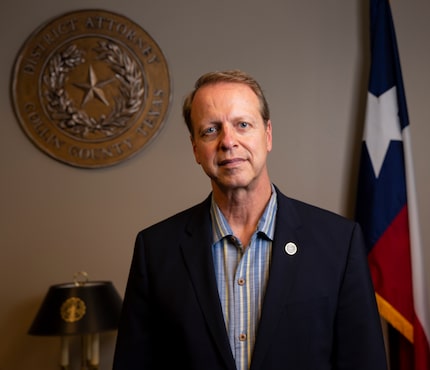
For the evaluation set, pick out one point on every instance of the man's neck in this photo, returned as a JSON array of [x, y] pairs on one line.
[[243, 208]]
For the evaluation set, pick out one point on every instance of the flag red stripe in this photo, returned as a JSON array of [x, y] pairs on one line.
[[421, 347], [390, 266]]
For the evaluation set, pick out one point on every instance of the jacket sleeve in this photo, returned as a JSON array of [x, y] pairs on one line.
[[134, 333], [358, 340]]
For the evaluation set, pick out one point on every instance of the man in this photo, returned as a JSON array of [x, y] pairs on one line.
[[249, 278]]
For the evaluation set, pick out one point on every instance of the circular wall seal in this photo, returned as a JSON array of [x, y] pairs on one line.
[[91, 88]]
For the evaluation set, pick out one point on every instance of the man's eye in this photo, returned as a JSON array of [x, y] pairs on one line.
[[243, 124], [209, 130]]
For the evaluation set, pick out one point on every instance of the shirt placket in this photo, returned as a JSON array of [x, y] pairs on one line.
[[242, 310]]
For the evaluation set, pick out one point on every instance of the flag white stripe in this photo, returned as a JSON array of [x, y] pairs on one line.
[[421, 301]]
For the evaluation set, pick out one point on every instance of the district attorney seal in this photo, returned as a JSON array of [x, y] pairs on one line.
[[91, 88]]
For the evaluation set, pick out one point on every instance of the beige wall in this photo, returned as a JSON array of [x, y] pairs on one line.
[[310, 57]]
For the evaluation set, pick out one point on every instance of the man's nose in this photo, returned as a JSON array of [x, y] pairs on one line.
[[228, 137]]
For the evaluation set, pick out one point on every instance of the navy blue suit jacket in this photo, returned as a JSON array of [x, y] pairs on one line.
[[319, 310]]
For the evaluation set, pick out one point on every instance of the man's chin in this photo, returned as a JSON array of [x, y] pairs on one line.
[[232, 183]]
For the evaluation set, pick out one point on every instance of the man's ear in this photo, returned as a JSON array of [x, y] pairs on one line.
[[193, 143], [269, 135]]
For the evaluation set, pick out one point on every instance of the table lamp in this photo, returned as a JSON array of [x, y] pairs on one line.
[[83, 308]]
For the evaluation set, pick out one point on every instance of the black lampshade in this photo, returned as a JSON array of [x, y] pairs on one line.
[[78, 309]]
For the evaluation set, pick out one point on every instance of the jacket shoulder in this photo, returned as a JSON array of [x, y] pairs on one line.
[[180, 220], [305, 213]]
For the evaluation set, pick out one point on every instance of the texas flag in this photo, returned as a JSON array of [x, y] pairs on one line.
[[386, 201]]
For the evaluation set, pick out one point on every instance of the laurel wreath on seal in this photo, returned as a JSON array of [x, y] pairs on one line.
[[76, 121]]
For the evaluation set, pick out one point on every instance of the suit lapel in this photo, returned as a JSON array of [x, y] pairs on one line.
[[196, 248], [282, 272]]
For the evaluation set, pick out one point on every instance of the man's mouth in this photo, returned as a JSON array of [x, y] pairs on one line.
[[231, 162]]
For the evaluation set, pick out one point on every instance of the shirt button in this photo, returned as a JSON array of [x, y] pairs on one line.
[[242, 337], [241, 281]]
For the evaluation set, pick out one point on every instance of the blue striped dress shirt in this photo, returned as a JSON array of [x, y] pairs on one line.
[[242, 273]]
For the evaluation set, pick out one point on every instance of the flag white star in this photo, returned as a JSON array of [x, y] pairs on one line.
[[382, 126]]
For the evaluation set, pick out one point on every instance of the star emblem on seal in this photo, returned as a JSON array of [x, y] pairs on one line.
[[93, 88]]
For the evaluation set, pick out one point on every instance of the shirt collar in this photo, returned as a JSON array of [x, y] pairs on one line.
[[266, 224]]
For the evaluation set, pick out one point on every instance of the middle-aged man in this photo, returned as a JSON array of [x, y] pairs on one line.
[[249, 278]]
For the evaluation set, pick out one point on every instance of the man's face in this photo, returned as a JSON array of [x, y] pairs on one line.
[[230, 140]]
